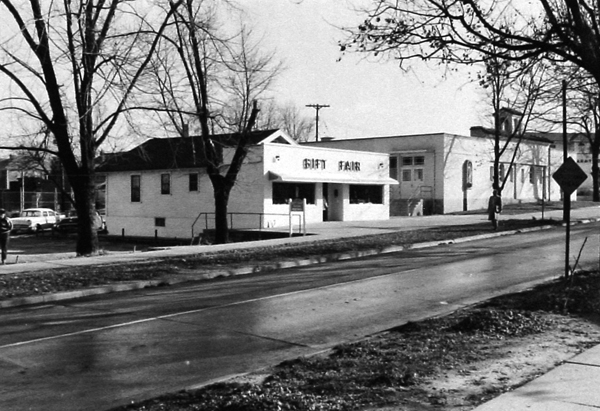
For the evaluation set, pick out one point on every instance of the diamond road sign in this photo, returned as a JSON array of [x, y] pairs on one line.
[[569, 176]]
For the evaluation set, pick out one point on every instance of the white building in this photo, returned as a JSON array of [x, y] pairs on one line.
[[161, 188], [443, 173]]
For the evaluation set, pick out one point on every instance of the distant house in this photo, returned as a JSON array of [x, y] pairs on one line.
[[161, 187], [578, 145], [23, 184], [443, 173]]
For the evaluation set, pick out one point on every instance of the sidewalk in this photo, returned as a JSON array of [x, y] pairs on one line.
[[572, 386]]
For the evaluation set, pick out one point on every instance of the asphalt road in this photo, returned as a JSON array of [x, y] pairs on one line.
[[105, 351]]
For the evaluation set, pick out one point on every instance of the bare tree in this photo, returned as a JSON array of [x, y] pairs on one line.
[[289, 118], [467, 31], [72, 67], [212, 80], [583, 113], [513, 87]]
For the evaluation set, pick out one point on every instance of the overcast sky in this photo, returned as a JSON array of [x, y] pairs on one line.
[[367, 98]]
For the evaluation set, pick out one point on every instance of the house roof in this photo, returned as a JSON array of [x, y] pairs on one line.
[[20, 163], [179, 152]]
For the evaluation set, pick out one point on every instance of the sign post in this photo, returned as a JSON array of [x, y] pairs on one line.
[[569, 177], [298, 208]]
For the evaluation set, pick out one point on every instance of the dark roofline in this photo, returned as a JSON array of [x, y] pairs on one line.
[[171, 153], [381, 137], [529, 136]]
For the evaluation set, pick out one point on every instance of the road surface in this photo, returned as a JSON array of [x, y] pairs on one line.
[[101, 352]]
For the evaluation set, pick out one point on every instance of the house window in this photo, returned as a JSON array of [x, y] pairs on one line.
[[407, 175], [193, 182], [467, 175], [413, 161], [165, 183], [160, 222], [136, 189], [491, 173], [522, 175], [418, 174], [362, 194], [532, 174], [282, 192]]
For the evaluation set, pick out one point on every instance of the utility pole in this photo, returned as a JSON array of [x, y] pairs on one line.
[[566, 196], [317, 107]]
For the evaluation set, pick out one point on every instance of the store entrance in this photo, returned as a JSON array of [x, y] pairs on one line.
[[325, 202]]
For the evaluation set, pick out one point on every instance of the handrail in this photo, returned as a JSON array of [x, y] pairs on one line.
[[418, 193], [231, 215]]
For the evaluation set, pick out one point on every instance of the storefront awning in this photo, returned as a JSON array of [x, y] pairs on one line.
[[339, 179]]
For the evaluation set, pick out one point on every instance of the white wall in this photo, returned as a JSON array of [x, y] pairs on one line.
[[290, 161], [179, 208], [251, 199], [445, 155]]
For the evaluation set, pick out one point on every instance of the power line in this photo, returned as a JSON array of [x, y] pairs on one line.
[[317, 107]]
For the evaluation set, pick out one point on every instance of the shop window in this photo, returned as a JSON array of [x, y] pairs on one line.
[[193, 182], [282, 192], [136, 188], [160, 222], [165, 183], [393, 167], [406, 175], [360, 194]]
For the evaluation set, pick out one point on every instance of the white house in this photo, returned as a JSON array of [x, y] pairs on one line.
[[161, 188], [442, 173]]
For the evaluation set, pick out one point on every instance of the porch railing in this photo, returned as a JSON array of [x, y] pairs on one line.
[[210, 217]]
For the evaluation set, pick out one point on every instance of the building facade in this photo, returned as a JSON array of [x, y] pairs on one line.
[[443, 173], [161, 188]]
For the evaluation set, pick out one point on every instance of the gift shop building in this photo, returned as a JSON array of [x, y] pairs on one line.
[[161, 188]]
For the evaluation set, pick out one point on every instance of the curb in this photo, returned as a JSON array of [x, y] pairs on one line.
[[136, 285]]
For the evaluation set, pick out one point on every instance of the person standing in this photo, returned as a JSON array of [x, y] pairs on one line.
[[5, 226], [494, 208]]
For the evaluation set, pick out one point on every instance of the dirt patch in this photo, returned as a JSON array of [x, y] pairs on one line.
[[453, 363]]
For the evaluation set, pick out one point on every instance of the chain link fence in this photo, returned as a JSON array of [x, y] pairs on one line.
[[14, 201]]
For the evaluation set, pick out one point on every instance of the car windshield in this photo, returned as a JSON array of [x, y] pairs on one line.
[[31, 213]]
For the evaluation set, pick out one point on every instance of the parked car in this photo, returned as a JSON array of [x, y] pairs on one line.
[[32, 220], [68, 224]]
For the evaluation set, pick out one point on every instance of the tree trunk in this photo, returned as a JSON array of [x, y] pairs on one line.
[[496, 183], [221, 193], [85, 204]]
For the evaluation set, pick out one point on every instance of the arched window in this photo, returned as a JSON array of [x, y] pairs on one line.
[[467, 175]]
